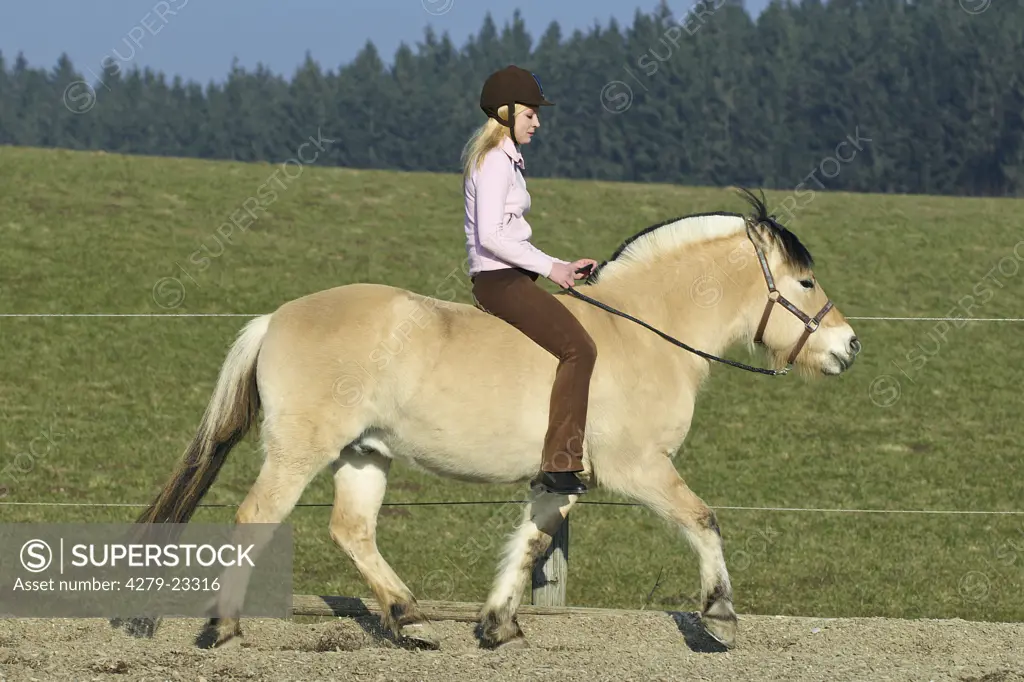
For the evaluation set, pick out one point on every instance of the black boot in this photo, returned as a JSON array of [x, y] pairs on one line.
[[559, 482]]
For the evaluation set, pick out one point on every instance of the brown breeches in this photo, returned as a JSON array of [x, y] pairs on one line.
[[513, 295]]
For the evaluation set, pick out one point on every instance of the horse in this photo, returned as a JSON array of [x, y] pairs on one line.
[[359, 376]]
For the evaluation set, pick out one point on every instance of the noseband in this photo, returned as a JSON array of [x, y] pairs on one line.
[[811, 324]]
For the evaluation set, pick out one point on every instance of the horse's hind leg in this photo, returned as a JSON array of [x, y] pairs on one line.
[[541, 519], [359, 484], [654, 481], [293, 458]]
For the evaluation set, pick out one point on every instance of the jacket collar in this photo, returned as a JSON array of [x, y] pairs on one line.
[[509, 147]]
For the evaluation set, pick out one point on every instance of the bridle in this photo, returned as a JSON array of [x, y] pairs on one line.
[[811, 324]]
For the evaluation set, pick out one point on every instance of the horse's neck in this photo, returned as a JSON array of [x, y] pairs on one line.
[[697, 294]]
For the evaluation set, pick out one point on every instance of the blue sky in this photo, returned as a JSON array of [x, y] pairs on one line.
[[198, 39]]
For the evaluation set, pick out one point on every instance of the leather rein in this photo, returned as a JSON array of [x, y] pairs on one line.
[[811, 324]]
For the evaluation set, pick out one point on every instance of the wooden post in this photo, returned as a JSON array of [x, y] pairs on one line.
[[551, 570]]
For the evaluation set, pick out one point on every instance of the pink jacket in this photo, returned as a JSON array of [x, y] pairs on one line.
[[497, 234]]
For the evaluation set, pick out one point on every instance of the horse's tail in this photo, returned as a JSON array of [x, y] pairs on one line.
[[230, 414]]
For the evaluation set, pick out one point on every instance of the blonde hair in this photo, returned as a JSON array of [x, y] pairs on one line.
[[485, 138]]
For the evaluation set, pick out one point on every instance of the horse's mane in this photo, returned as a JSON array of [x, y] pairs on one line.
[[687, 228]]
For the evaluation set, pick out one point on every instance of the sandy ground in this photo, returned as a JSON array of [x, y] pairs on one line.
[[640, 646]]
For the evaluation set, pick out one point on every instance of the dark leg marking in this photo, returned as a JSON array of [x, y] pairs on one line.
[[710, 520], [403, 613], [497, 628], [716, 594], [536, 549]]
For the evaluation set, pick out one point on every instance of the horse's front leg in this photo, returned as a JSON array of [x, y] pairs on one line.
[[652, 480], [541, 519]]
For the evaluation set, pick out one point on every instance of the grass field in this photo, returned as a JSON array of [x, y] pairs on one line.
[[98, 409]]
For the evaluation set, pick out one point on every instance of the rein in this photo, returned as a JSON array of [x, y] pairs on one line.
[[811, 324]]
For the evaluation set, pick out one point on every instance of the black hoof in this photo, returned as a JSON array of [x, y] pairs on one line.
[[218, 632]]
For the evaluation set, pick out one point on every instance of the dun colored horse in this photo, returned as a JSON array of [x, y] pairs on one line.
[[359, 376]]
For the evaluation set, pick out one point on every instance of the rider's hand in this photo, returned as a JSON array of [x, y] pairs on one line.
[[565, 275]]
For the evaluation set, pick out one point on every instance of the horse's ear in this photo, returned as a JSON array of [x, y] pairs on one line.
[[756, 229]]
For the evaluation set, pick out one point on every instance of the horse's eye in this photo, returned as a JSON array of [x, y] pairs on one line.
[[807, 283]]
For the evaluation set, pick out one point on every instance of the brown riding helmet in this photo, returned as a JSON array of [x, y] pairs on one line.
[[508, 86]]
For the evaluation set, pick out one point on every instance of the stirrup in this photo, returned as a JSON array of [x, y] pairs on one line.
[[559, 483]]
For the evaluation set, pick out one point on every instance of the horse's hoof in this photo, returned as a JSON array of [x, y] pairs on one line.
[[721, 628], [720, 622], [219, 634], [420, 635], [232, 641], [495, 633], [514, 644]]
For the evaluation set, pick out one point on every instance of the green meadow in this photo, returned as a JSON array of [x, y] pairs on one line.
[[98, 409]]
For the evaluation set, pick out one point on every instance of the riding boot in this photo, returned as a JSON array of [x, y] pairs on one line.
[[559, 482]]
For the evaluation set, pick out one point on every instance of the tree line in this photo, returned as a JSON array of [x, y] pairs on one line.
[[858, 95]]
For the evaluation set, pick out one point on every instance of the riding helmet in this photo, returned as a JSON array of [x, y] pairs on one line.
[[508, 86]]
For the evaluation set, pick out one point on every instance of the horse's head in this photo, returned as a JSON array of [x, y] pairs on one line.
[[798, 323], [721, 277]]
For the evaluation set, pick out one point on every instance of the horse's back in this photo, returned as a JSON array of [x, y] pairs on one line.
[[383, 327]]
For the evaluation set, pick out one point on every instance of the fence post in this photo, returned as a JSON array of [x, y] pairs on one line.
[[551, 570]]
